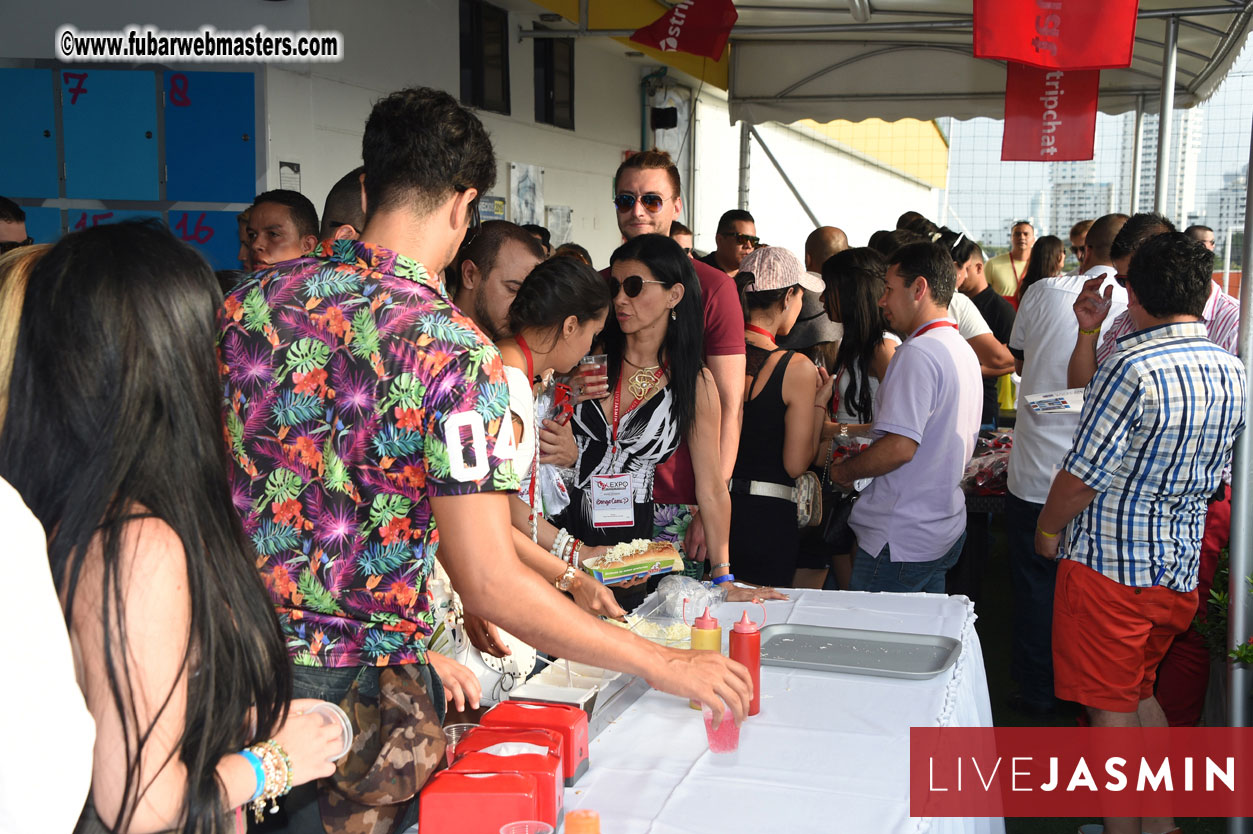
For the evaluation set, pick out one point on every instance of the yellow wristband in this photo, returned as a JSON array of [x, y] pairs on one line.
[[1093, 332], [1046, 534]]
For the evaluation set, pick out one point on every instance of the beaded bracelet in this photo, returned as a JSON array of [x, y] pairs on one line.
[[277, 769], [575, 558]]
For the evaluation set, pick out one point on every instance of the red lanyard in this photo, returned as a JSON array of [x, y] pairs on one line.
[[617, 402], [1013, 270], [526, 354], [761, 331], [932, 326]]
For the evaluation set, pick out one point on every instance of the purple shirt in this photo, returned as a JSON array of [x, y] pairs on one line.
[[932, 393]]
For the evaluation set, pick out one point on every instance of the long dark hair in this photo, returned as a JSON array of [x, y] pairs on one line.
[[855, 284], [555, 289], [682, 348], [1044, 255], [114, 414]]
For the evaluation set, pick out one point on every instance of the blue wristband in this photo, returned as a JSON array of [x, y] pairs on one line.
[[254, 760], [726, 577]]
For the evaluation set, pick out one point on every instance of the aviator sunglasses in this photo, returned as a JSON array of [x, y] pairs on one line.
[[633, 285], [652, 202]]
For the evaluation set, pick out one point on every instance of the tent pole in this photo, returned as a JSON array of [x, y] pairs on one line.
[[1240, 613], [788, 182], [1165, 113], [745, 163], [1136, 161]]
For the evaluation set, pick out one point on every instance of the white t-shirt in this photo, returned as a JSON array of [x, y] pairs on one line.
[[45, 772], [1045, 331], [970, 322]]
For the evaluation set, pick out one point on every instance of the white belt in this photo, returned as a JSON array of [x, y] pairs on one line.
[[765, 489]]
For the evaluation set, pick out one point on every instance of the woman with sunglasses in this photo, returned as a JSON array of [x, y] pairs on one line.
[[1048, 259], [658, 393]]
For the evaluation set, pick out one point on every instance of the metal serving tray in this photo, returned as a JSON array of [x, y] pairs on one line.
[[858, 651]]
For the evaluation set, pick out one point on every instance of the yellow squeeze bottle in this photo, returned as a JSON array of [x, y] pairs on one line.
[[706, 634]]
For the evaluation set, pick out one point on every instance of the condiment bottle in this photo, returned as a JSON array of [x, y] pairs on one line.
[[706, 634], [746, 649], [582, 821]]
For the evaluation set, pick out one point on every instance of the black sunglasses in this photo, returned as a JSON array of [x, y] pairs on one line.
[[652, 202], [743, 240], [1121, 279], [1077, 249], [632, 285], [475, 220], [10, 245]]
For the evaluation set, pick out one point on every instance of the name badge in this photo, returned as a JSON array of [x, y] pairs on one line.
[[612, 501]]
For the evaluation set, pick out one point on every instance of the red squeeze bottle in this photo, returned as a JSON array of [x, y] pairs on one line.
[[746, 649]]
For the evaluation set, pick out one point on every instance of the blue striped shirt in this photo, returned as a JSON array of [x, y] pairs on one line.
[[1156, 429]]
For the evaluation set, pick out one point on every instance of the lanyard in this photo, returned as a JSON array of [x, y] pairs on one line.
[[526, 354], [761, 331], [932, 326], [1013, 270], [617, 402]]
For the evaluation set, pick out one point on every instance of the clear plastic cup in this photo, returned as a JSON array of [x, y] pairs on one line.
[[453, 733], [526, 827], [332, 714], [593, 367], [724, 742]]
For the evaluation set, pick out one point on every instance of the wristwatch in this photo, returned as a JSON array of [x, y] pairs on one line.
[[566, 581]]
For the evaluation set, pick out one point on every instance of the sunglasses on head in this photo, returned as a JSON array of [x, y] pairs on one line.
[[10, 245], [652, 202], [743, 240], [632, 285]]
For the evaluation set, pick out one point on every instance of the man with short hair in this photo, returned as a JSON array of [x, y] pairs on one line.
[[282, 226], [1203, 235], [735, 238], [1006, 271], [996, 311], [1043, 334], [12, 226], [363, 412], [542, 236], [1125, 514], [911, 520], [1078, 238], [813, 326], [487, 272], [343, 214], [683, 236]]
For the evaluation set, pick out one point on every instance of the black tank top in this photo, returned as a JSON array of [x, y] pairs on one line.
[[761, 437]]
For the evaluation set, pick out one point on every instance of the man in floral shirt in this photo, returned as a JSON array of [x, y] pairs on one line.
[[362, 408]]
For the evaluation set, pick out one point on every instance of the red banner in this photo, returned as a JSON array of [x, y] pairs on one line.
[[1080, 772], [1050, 115], [1057, 34], [700, 27]]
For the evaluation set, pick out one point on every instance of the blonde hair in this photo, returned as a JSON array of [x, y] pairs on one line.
[[15, 269]]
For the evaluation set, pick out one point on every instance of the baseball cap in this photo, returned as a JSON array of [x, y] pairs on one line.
[[776, 268]]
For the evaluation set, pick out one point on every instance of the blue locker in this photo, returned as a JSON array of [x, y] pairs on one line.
[[28, 134], [83, 219], [43, 224], [110, 122], [214, 233], [210, 137]]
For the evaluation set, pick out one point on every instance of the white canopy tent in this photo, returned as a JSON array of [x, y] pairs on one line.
[[894, 59]]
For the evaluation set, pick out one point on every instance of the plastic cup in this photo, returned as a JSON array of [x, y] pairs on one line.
[[526, 827], [453, 734], [332, 714], [594, 366], [724, 741]]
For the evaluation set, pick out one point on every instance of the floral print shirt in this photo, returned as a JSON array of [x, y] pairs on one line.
[[355, 389]]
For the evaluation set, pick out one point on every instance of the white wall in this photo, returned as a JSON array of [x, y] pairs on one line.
[[843, 190]]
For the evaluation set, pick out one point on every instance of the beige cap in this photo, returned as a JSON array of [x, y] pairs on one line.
[[776, 268]]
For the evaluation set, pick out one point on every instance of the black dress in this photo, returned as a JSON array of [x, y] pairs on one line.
[[764, 536]]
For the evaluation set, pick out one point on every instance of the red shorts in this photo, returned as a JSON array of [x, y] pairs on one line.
[[1108, 638]]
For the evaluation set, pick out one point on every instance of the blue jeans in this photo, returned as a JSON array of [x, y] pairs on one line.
[[880, 573], [1032, 578], [300, 806]]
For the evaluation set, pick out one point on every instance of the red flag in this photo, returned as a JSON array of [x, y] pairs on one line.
[[700, 27], [1050, 115], [1057, 34]]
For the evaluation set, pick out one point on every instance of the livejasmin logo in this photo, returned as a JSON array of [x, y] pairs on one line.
[[1048, 27], [678, 17], [1049, 120], [1023, 774]]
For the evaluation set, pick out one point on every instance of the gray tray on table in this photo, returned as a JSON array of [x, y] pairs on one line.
[[858, 651]]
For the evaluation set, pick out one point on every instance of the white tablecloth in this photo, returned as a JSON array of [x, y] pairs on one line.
[[827, 753]]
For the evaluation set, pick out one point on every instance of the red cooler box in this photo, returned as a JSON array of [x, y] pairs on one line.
[[477, 803], [568, 721], [544, 763]]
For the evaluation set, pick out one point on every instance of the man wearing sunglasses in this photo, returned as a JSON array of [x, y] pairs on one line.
[[1078, 238], [12, 226], [648, 200], [736, 237]]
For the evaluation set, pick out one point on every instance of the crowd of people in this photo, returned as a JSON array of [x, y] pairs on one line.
[[246, 485]]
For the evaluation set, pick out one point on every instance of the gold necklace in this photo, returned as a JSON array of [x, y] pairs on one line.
[[642, 381]]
